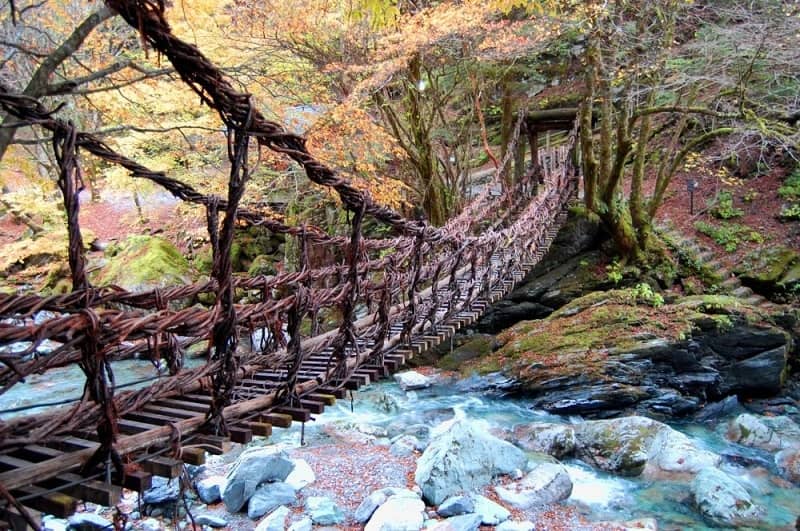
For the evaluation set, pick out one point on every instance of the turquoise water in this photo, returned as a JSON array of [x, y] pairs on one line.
[[383, 410]]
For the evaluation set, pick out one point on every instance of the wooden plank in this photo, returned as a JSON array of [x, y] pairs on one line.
[[215, 444], [91, 490], [297, 414], [335, 391], [277, 419], [313, 406], [182, 404], [261, 429], [132, 427], [55, 503], [193, 455], [171, 412], [328, 400], [151, 418], [240, 435], [137, 480], [163, 466]]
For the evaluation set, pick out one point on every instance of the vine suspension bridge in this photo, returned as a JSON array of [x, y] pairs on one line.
[[263, 367]]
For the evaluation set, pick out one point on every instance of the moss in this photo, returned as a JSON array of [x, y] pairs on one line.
[[143, 262], [576, 340], [767, 266], [473, 349], [262, 265]]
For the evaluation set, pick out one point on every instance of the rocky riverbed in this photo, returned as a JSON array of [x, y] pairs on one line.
[[451, 454]]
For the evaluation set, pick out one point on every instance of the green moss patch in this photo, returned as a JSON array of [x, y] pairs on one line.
[[144, 262]]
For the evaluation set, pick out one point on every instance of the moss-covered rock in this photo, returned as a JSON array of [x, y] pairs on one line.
[[609, 352], [770, 270], [144, 262], [477, 347], [262, 265]]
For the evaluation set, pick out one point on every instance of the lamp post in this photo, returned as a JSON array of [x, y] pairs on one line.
[[691, 185]]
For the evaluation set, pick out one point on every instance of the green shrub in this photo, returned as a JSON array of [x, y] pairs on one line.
[[728, 235], [723, 207], [791, 186]]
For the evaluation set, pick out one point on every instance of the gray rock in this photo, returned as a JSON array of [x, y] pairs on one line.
[[50, 523], [618, 445], [404, 446], [324, 511], [456, 505], [464, 522], [463, 457], [369, 504], [88, 522], [301, 476], [557, 440], [546, 483], [211, 520], [276, 521], [209, 490], [304, 524], [398, 513], [269, 497], [788, 463], [151, 524], [766, 433], [673, 452], [411, 380], [514, 525], [254, 467], [162, 491], [491, 513], [722, 500]]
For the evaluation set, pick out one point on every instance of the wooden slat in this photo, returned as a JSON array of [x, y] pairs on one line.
[[55, 503], [313, 406], [163, 466], [240, 435], [182, 404], [132, 427], [261, 429], [137, 480], [328, 400], [150, 418], [193, 456], [297, 414], [91, 490], [277, 419], [215, 444]]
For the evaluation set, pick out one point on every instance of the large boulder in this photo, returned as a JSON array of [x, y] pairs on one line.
[[615, 352], [144, 262], [324, 511], [254, 467], [398, 513], [722, 500], [269, 497], [491, 513], [629, 446], [767, 433], [621, 446], [377, 498], [464, 522], [461, 457], [411, 380], [788, 463], [557, 440], [546, 483]]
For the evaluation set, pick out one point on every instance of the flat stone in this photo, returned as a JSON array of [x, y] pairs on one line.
[[491, 513], [398, 513], [269, 497], [324, 511], [209, 490], [211, 520], [766, 433], [412, 380], [304, 524], [162, 491], [515, 525], [456, 505], [464, 522], [275, 521], [547, 483], [89, 522], [301, 475], [722, 500]]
